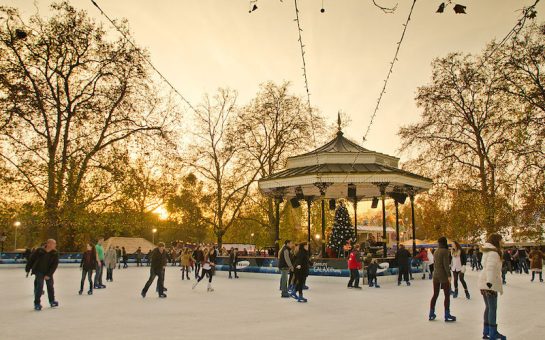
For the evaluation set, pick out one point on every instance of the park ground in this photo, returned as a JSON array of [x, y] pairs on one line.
[[251, 308]]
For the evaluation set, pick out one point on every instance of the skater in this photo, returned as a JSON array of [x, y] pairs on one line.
[[354, 265], [198, 255], [87, 265], [522, 259], [506, 266], [185, 262], [431, 262], [233, 259], [118, 256], [441, 279], [286, 267], [479, 259], [458, 266], [423, 256], [490, 284], [372, 273], [403, 257], [43, 263], [207, 268], [158, 263], [536, 263], [100, 264], [139, 257], [301, 271], [125, 257], [110, 261]]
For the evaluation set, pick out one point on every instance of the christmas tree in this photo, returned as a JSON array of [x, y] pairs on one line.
[[342, 230]]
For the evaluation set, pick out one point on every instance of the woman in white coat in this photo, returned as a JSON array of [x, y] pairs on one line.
[[490, 284]]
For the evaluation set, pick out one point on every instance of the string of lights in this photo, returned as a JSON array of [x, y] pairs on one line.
[[392, 63], [527, 13], [302, 46], [143, 56]]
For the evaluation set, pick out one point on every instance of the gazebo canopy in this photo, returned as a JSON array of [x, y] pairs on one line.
[[331, 169]]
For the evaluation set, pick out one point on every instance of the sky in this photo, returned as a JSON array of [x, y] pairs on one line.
[[201, 45]]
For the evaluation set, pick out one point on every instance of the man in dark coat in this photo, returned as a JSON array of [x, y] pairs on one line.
[[158, 262], [43, 263], [403, 256], [233, 259]]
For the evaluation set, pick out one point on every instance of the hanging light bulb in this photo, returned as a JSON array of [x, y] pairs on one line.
[[322, 10]]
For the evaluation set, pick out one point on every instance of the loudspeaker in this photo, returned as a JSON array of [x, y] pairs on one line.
[[399, 197], [374, 203], [295, 203], [351, 191], [332, 204], [299, 193]]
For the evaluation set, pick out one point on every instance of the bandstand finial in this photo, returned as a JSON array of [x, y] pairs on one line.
[[339, 121]]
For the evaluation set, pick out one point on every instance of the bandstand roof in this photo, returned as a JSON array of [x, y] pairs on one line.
[[328, 170]]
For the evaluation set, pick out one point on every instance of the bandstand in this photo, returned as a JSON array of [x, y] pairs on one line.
[[343, 169]]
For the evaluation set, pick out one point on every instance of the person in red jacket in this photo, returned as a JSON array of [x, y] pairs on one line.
[[354, 265], [423, 256]]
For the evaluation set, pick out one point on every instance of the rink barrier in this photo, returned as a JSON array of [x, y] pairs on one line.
[[249, 264]]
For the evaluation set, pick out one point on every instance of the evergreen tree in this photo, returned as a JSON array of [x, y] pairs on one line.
[[342, 230]]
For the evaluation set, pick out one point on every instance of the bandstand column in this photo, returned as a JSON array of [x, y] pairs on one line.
[[356, 218], [277, 202], [384, 239], [413, 224], [323, 228], [309, 203], [397, 222]]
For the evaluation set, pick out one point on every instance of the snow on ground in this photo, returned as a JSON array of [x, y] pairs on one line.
[[251, 308]]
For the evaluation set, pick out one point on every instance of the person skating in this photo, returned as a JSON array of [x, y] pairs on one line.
[[301, 271], [207, 269], [158, 263], [403, 257], [354, 265], [138, 255], [441, 279], [185, 262], [100, 264], [490, 284], [431, 262], [118, 256], [522, 256], [536, 263], [233, 259], [42, 264], [198, 255], [423, 256], [110, 261], [507, 261], [458, 266], [372, 273], [286, 267], [125, 257], [88, 264]]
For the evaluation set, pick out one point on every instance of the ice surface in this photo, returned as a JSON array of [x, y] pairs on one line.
[[251, 308]]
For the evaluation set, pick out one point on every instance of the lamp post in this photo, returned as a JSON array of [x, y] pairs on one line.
[[17, 224], [153, 231]]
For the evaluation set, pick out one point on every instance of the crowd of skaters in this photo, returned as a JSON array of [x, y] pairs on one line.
[[441, 265]]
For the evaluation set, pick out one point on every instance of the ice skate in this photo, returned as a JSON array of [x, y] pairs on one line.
[[448, 317]]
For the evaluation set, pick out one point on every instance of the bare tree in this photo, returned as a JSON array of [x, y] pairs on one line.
[[272, 127], [463, 137], [71, 96], [217, 156]]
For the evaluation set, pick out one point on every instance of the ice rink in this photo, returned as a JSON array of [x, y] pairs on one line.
[[251, 308]]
